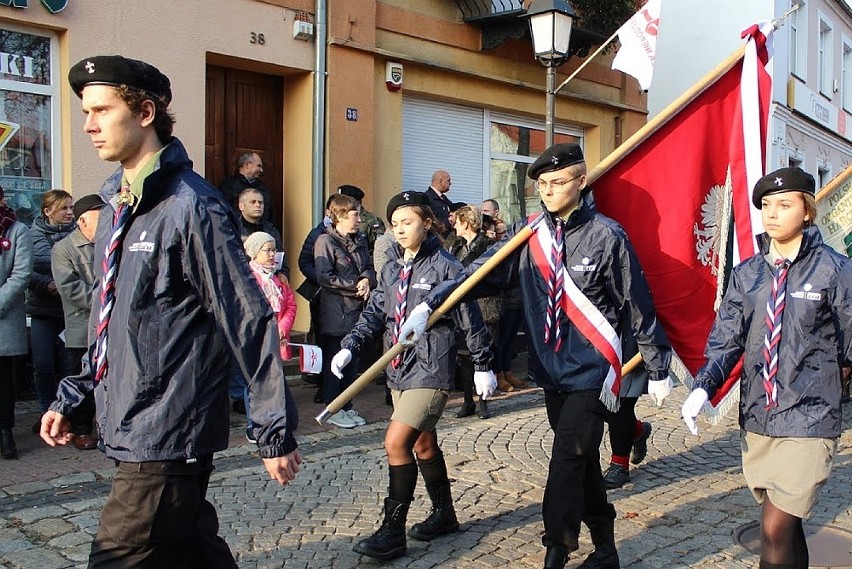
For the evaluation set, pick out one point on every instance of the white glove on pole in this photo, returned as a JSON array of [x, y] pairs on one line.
[[659, 390], [340, 360], [692, 407], [485, 382], [415, 324]]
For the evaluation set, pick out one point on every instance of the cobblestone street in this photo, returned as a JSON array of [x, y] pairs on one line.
[[681, 508]]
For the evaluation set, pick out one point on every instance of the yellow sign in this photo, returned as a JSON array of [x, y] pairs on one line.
[[7, 131]]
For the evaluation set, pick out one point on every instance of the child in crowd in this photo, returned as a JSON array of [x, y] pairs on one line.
[[420, 378], [791, 381], [260, 248]]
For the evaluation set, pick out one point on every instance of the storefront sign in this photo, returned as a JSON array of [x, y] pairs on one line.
[[817, 107], [53, 6]]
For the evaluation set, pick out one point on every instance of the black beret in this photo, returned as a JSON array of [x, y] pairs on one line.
[[406, 199], [86, 203], [351, 191], [118, 70], [556, 157], [455, 206], [783, 180]]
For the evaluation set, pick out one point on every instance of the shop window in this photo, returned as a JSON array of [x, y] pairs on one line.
[[27, 109], [514, 146]]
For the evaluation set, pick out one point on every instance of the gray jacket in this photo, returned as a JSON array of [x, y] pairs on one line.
[[71, 262], [16, 265]]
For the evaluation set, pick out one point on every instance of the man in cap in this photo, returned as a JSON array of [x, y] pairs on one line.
[[438, 200], [72, 262], [371, 225], [175, 301], [249, 171], [574, 346]]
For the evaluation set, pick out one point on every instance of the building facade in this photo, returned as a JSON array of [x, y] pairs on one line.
[[410, 87], [811, 112]]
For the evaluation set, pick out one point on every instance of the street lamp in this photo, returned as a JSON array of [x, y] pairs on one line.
[[550, 27]]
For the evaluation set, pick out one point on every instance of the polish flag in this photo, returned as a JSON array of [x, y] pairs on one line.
[[677, 183]]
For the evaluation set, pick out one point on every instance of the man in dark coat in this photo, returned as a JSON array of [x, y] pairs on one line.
[[249, 171], [176, 301], [438, 200]]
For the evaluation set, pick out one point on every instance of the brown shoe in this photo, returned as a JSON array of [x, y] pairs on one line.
[[502, 384], [514, 381], [85, 442]]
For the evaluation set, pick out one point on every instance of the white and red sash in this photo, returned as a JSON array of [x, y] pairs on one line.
[[584, 315]]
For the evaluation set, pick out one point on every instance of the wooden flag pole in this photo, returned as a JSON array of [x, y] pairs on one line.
[[465, 287], [835, 182]]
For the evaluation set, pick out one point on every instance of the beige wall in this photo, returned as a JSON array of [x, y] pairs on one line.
[[175, 37]]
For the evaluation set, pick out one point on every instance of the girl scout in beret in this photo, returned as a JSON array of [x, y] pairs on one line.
[[788, 311], [420, 378]]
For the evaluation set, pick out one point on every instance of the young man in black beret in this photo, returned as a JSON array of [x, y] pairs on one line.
[[579, 277], [176, 302]]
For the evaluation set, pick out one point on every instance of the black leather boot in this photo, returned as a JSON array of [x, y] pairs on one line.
[[605, 555], [556, 557], [389, 540], [8, 449], [442, 519]]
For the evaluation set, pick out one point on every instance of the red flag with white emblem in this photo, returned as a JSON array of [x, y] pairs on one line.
[[674, 184]]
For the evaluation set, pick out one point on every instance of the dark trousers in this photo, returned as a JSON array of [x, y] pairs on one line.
[[51, 361], [510, 323], [157, 515], [331, 385], [622, 426], [7, 392], [84, 415], [575, 489]]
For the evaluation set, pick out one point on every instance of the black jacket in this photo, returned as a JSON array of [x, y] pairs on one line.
[[816, 341], [39, 301], [186, 301], [441, 207], [341, 261], [601, 261], [232, 186], [431, 363], [306, 255]]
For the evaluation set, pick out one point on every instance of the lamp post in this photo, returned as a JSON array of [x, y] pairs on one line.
[[550, 27]]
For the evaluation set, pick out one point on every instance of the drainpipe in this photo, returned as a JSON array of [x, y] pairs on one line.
[[318, 152]]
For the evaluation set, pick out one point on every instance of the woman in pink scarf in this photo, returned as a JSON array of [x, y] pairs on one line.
[[260, 248]]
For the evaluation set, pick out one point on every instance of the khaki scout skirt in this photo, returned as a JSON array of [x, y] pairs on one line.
[[790, 471], [419, 408]]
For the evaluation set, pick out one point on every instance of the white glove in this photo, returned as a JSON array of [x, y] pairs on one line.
[[692, 407], [414, 325], [485, 382], [659, 390], [340, 360]]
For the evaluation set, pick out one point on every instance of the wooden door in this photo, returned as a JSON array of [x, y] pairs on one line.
[[244, 114]]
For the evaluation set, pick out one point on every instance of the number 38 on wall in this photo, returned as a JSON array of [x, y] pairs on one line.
[[257, 38]]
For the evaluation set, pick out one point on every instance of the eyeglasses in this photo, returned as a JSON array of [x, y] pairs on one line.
[[556, 186], [268, 250]]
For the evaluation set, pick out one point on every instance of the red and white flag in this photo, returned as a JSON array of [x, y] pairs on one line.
[[310, 358], [672, 187], [638, 38]]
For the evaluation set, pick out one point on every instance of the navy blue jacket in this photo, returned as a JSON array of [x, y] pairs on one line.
[[816, 333], [601, 261], [431, 363], [185, 301]]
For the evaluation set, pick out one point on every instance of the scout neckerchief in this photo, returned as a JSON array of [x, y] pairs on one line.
[[399, 312], [774, 316], [582, 313]]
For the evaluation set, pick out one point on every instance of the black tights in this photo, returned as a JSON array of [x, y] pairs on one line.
[[782, 539]]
